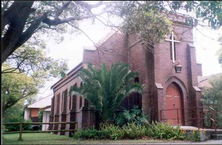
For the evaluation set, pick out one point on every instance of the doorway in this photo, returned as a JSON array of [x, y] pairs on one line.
[[174, 105]]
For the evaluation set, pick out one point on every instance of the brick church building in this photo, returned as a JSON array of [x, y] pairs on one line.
[[170, 72]]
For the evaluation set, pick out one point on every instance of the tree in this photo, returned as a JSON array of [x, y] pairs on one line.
[[28, 62], [32, 60], [213, 96], [103, 90], [17, 110], [15, 114], [22, 20], [16, 87], [219, 53]]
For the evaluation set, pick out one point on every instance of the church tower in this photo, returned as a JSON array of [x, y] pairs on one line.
[[170, 75]]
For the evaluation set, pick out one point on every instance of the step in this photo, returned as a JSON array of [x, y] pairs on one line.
[[216, 136]]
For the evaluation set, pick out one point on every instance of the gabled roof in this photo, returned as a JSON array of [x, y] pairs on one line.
[[204, 81], [69, 74], [101, 41], [86, 48], [44, 102]]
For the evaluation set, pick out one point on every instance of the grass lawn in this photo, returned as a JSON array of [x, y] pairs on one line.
[[47, 138]]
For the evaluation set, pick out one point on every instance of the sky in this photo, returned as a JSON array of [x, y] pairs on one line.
[[71, 48]]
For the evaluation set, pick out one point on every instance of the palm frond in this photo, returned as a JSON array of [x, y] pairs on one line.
[[105, 89]]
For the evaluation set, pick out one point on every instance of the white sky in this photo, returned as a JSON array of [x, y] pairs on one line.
[[72, 49]]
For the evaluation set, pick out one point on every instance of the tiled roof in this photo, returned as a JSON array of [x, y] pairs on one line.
[[204, 81], [42, 103]]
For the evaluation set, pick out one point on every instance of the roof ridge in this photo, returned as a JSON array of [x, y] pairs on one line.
[[103, 40], [68, 74], [209, 76], [41, 99]]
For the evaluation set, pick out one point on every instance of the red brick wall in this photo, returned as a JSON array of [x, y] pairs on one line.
[[199, 69], [111, 51]]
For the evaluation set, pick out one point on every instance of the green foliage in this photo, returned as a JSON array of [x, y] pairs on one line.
[[131, 131], [15, 114], [144, 19], [150, 25], [87, 134], [16, 87], [160, 130], [40, 116], [31, 59], [219, 53], [16, 110], [54, 17], [111, 131], [135, 115], [210, 11], [212, 97], [196, 136], [105, 89], [15, 127]]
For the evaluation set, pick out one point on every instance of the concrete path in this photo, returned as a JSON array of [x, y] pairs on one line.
[[195, 128], [212, 142], [208, 142]]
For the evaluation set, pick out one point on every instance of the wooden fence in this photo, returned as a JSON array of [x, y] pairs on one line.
[[37, 123]]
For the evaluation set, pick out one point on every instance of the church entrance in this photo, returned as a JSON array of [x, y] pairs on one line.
[[174, 105]]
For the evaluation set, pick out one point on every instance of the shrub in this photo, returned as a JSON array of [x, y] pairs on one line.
[[89, 134], [40, 116], [135, 115], [112, 131], [160, 130], [195, 136], [134, 131], [15, 127], [131, 131]]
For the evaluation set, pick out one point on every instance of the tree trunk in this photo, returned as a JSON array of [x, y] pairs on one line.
[[15, 16], [3, 112]]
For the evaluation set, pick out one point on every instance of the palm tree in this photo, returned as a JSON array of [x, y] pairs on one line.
[[105, 89]]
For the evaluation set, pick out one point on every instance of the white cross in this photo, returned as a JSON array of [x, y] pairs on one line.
[[172, 40]]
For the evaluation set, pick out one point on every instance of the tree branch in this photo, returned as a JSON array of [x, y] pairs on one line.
[[16, 25], [55, 22], [11, 70], [4, 7], [88, 6], [59, 11], [87, 37], [204, 34], [30, 31]]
